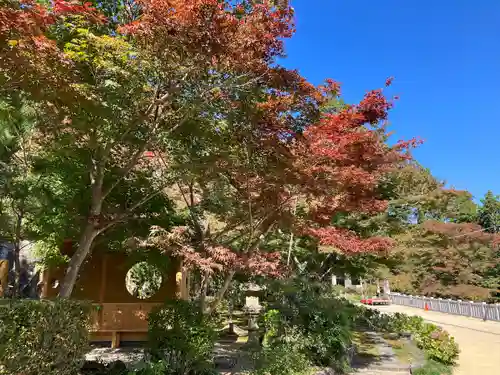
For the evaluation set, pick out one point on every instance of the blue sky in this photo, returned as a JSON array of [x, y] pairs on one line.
[[445, 57]]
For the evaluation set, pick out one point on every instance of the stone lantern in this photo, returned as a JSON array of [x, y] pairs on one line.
[[252, 309]]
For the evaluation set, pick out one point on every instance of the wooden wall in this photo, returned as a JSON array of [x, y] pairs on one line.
[[102, 280], [117, 315]]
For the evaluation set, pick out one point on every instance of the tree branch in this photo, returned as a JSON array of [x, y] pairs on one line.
[[125, 215]]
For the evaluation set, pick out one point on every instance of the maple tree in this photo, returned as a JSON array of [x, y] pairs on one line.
[[272, 197], [422, 218], [94, 79], [449, 259], [414, 197], [246, 143]]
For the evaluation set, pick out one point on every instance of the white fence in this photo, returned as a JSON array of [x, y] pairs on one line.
[[481, 310]]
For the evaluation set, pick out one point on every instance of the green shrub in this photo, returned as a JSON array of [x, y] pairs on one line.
[[338, 290], [433, 368], [153, 368], [272, 325], [284, 354], [405, 323], [183, 337], [437, 344], [43, 337], [328, 327], [324, 320]]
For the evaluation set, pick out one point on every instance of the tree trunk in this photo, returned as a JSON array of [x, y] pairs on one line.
[[223, 290], [17, 273], [91, 229], [203, 291], [84, 246], [188, 285], [290, 244]]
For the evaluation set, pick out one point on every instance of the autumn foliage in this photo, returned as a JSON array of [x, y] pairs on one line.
[[450, 260], [213, 258], [204, 71], [342, 158]]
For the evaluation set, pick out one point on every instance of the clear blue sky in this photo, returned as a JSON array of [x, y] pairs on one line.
[[445, 57]]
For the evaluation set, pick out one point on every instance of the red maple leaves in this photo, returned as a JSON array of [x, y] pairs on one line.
[[34, 62], [87, 10], [32, 19], [331, 161], [216, 32], [211, 258], [343, 157], [462, 232], [348, 242]]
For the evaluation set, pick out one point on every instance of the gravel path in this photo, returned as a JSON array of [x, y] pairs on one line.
[[479, 341]]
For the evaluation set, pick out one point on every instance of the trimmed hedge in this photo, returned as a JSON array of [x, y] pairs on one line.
[[43, 337]]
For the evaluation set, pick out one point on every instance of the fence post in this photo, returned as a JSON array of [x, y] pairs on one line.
[[470, 308], [497, 308], [459, 307], [485, 312]]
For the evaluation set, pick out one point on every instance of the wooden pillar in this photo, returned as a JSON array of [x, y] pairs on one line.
[[181, 283], [184, 285], [4, 276], [45, 282], [104, 274], [188, 283], [115, 340], [178, 285]]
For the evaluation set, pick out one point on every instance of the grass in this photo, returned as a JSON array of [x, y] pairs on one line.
[[434, 368], [403, 351], [408, 353]]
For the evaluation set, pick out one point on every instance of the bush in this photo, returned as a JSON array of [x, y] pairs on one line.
[[437, 344], [154, 368], [283, 354], [433, 368], [119, 368], [338, 290], [329, 333], [43, 337], [324, 320], [272, 324], [183, 337]]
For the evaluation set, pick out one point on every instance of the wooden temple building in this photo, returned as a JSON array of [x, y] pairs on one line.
[[117, 316]]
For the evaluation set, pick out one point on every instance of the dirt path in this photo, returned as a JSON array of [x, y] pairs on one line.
[[479, 341]]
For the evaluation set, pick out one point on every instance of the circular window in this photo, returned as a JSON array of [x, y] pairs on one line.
[[143, 280]]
